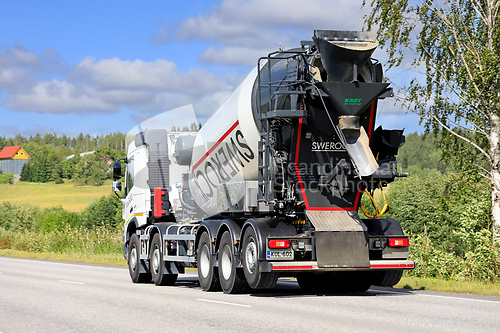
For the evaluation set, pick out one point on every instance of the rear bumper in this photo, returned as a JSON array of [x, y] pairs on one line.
[[313, 266]]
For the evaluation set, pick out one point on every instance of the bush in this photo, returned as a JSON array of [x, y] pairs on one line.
[[7, 178], [105, 212], [20, 218], [58, 219]]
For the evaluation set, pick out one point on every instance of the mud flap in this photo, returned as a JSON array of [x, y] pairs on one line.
[[340, 240], [342, 249]]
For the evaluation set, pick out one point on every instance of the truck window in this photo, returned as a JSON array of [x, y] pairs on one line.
[[129, 176]]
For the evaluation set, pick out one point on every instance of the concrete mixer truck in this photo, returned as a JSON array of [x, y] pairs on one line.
[[271, 184]]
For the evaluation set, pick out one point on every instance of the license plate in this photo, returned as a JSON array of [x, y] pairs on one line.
[[287, 254]]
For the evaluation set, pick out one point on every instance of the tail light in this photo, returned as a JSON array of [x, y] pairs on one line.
[[279, 243], [398, 242]]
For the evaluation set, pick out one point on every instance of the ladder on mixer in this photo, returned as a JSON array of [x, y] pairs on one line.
[[273, 113]]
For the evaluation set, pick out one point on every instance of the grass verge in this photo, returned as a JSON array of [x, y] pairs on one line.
[[463, 287], [115, 259]]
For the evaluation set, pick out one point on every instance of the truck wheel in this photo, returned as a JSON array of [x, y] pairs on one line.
[[157, 265], [207, 273], [386, 278], [355, 281], [255, 278], [232, 279], [321, 283], [134, 262]]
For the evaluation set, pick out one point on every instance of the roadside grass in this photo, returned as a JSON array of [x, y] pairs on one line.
[[463, 287], [110, 259], [69, 196]]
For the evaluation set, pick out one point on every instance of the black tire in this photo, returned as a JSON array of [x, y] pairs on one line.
[[386, 278], [250, 254], [157, 266], [232, 279], [310, 282], [356, 281], [134, 262], [207, 273]]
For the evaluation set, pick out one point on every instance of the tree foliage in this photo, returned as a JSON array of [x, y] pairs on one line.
[[455, 51]]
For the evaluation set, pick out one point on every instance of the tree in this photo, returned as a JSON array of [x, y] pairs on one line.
[[94, 169], [455, 43]]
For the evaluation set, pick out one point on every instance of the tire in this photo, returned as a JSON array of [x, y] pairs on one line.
[[232, 279], [207, 273], [309, 282], [356, 281], [255, 278], [386, 278], [134, 262], [157, 266]]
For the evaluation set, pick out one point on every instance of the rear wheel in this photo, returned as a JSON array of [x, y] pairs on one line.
[[255, 278], [386, 278], [232, 279], [207, 273], [134, 262], [157, 265]]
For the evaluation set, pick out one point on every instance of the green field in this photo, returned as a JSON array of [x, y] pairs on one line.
[[69, 196]]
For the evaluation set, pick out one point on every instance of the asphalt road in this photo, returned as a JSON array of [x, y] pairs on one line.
[[46, 296]]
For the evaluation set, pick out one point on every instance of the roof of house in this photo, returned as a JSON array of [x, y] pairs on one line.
[[9, 152]]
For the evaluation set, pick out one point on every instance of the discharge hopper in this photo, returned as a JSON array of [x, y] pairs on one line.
[[344, 55]]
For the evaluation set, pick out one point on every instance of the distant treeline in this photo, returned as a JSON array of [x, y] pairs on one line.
[[48, 157], [49, 154]]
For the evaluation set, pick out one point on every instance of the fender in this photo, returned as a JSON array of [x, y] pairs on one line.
[[209, 226], [267, 227], [129, 229], [233, 228], [383, 227]]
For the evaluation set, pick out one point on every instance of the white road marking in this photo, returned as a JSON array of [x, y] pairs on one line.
[[461, 298], [226, 303], [440, 296], [71, 282]]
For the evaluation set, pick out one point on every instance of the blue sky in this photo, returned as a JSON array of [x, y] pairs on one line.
[[99, 67]]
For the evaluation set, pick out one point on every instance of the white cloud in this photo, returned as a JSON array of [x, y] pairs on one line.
[[56, 96], [230, 56], [105, 85], [261, 26]]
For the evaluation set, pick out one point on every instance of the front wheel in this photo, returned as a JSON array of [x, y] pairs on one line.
[[255, 278], [232, 279], [134, 262], [157, 265]]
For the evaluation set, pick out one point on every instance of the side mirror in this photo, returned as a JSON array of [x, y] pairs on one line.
[[117, 171], [117, 186]]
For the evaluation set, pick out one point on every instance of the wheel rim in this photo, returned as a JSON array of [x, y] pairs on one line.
[[225, 263], [204, 261], [251, 256], [156, 260], [133, 258]]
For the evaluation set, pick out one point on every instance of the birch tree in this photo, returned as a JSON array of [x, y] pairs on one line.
[[455, 47]]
